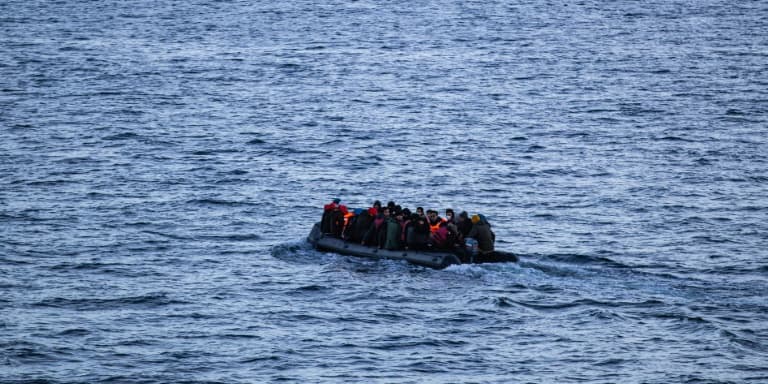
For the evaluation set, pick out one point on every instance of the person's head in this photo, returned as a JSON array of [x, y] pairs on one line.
[[406, 212], [391, 205], [399, 215], [420, 211], [449, 213], [385, 212], [475, 219], [463, 216], [432, 215], [377, 204], [336, 200]]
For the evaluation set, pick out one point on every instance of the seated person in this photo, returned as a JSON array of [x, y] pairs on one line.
[[481, 230]]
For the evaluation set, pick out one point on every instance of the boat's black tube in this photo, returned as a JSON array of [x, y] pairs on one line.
[[431, 259]]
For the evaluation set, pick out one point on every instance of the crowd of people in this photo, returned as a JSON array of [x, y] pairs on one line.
[[393, 227]]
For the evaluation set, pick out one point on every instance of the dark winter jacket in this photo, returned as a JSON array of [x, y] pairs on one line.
[[485, 237], [360, 226], [464, 227], [418, 236], [393, 232]]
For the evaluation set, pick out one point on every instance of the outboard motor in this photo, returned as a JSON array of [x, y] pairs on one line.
[[471, 248]]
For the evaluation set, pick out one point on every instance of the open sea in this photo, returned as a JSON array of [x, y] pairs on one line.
[[162, 162]]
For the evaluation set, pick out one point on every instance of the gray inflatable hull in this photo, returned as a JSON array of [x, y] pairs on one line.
[[431, 259]]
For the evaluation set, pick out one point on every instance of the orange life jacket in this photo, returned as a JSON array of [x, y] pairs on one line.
[[348, 216], [434, 227]]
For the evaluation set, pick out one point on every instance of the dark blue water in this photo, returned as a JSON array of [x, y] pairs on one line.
[[162, 162]]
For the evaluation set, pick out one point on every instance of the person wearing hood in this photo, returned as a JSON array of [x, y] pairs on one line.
[[333, 219], [375, 235], [481, 231], [463, 224], [417, 235], [393, 230], [357, 225]]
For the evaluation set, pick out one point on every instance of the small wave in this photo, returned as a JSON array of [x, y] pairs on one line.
[[214, 152], [578, 259], [291, 248], [290, 67], [611, 362], [745, 342], [81, 266], [592, 304], [301, 252], [50, 183], [602, 314], [74, 332], [75, 160], [407, 343], [674, 138], [99, 195], [488, 270], [503, 302], [121, 136], [259, 359], [679, 317], [331, 142], [557, 306], [556, 171], [168, 235], [239, 336], [713, 239], [126, 111], [136, 342], [233, 237], [312, 288], [8, 261], [31, 381], [220, 202], [426, 367], [85, 304], [231, 181], [304, 317], [21, 351], [751, 208]]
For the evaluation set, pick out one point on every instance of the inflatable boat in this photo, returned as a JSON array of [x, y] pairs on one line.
[[433, 259]]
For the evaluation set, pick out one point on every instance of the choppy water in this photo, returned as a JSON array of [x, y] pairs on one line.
[[161, 163]]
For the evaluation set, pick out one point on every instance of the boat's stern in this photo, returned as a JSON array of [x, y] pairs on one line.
[[315, 234]]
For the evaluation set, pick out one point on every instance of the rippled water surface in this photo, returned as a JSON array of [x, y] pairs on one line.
[[162, 162]]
